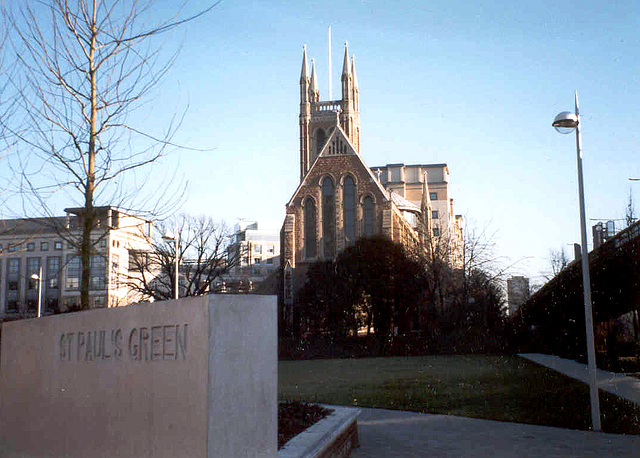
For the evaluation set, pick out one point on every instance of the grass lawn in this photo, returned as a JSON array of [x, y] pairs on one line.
[[505, 388]]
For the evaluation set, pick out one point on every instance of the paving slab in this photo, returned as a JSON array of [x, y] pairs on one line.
[[619, 384], [390, 433]]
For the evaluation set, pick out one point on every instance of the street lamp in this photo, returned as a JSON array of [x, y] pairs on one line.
[[175, 239], [38, 277], [566, 122]]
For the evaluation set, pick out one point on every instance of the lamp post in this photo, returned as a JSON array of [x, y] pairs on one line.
[[38, 277], [566, 122], [176, 239]]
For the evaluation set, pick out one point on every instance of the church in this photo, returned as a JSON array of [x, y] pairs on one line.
[[340, 199]]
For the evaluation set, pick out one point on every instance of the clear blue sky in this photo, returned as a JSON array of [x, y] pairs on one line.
[[473, 85]]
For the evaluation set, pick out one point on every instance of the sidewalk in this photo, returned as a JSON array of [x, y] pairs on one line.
[[390, 433], [618, 384]]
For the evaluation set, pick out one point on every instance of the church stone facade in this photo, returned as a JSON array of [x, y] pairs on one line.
[[340, 199]]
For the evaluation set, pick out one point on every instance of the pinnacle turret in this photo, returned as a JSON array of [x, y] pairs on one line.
[[304, 74], [347, 80], [346, 68], [314, 94], [353, 71]]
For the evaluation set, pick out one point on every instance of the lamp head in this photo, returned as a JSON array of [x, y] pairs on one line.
[[565, 122]]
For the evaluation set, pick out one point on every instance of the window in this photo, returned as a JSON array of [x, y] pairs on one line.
[[73, 272], [72, 301], [434, 214], [257, 260], [13, 285], [368, 216], [70, 246], [31, 246], [433, 195], [270, 249], [14, 248], [0, 247], [103, 243], [115, 269], [33, 270], [270, 261], [52, 287], [98, 279], [436, 232], [328, 217], [57, 246], [138, 260], [100, 301], [309, 228], [257, 249], [349, 210], [44, 246], [396, 174]]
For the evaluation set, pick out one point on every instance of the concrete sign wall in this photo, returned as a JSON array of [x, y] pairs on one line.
[[196, 378]]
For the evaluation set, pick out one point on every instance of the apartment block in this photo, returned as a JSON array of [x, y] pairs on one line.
[[39, 259]]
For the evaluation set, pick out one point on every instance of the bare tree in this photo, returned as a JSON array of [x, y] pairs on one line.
[[7, 94], [86, 66], [558, 260], [203, 256], [630, 212]]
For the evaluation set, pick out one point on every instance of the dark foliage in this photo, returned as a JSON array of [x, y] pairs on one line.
[[553, 321], [372, 284], [404, 304], [295, 417]]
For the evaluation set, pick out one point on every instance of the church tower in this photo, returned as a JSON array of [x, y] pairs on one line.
[[319, 119]]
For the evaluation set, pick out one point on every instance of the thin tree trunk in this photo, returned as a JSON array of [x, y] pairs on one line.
[[89, 217]]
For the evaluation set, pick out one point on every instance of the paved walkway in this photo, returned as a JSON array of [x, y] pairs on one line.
[[390, 433], [618, 384]]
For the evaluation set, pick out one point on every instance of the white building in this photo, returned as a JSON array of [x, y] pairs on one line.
[[27, 245], [408, 182], [257, 251], [517, 292]]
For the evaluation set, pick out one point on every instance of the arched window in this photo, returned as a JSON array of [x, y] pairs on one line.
[[349, 209], [368, 216], [309, 228], [328, 217], [321, 139]]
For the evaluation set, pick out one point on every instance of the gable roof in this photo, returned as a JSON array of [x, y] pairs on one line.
[[338, 144]]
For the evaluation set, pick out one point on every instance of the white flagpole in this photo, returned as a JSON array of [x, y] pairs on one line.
[[330, 93]]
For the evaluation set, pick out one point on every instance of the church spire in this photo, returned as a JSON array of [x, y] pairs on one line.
[[347, 80], [305, 115], [314, 94], [346, 68], [354, 82], [353, 71], [304, 74]]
